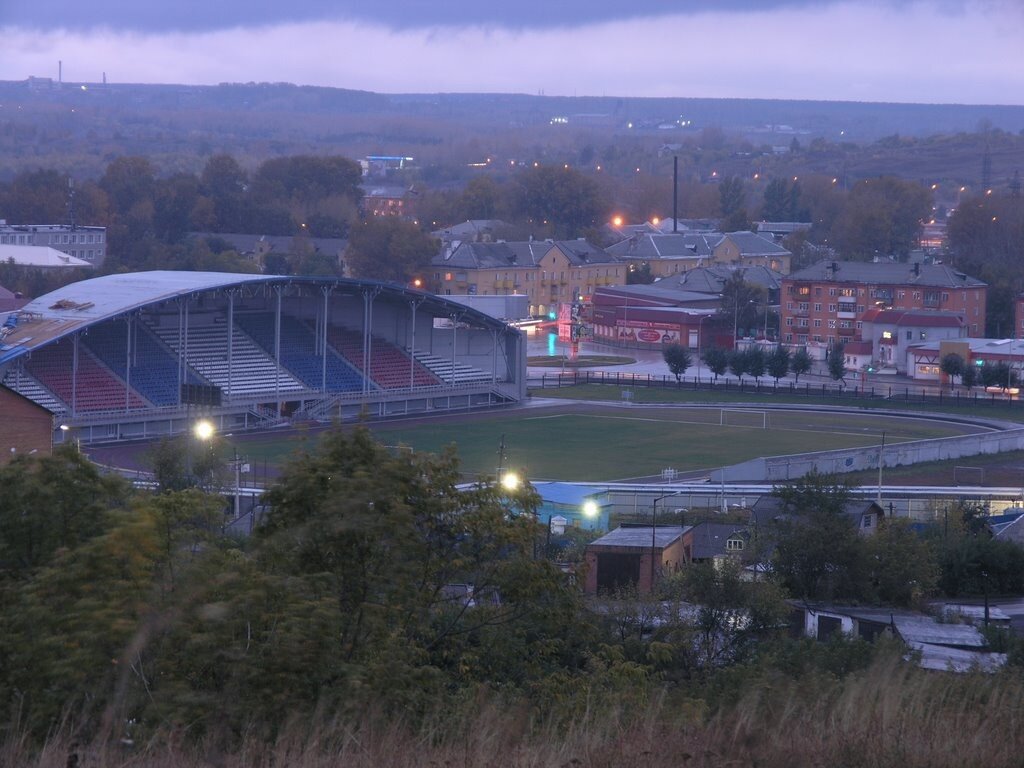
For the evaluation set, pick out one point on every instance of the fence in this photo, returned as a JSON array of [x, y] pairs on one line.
[[922, 395]]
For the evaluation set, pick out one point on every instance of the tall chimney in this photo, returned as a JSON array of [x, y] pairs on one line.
[[675, 194]]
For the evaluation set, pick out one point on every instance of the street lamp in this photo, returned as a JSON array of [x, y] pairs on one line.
[[700, 328], [654, 530], [203, 430], [511, 481]]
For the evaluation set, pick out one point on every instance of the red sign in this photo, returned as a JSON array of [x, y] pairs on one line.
[[648, 335]]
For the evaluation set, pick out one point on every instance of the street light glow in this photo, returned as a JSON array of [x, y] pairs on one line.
[[203, 430], [510, 481], [590, 508]]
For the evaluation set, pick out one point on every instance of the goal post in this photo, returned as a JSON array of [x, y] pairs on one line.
[[743, 417]]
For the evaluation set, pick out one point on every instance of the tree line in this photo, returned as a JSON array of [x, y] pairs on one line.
[[375, 582]]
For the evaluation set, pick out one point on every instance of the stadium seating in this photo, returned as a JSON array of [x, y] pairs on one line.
[[443, 369], [389, 365], [298, 352], [28, 387], [154, 371], [252, 371], [98, 389]]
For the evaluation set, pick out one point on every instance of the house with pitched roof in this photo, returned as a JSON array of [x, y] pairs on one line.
[[549, 272], [750, 249]]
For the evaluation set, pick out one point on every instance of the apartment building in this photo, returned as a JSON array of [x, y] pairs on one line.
[[825, 303], [86, 243], [549, 272]]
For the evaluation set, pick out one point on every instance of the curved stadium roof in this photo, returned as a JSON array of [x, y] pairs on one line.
[[77, 306]]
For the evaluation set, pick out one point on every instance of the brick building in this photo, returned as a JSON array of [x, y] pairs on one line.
[[24, 428], [825, 303]]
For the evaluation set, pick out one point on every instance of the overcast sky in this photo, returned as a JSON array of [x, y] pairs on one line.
[[961, 51]]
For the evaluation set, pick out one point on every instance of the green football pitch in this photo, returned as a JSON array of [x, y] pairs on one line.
[[587, 443]]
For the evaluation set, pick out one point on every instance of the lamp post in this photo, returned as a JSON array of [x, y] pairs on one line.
[[654, 530], [700, 327], [881, 449], [203, 430]]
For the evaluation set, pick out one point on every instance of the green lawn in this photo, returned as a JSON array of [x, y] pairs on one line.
[[603, 444], [981, 407]]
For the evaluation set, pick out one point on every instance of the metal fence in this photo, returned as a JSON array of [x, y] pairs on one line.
[[907, 394]]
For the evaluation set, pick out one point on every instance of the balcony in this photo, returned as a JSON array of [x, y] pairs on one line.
[[846, 314]]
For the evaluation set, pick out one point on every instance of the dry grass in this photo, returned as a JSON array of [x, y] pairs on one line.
[[892, 714]]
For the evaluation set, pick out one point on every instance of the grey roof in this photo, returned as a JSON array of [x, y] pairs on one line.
[[661, 291], [767, 509], [580, 252], [935, 275], [519, 254], [689, 225], [470, 228], [247, 243], [925, 629], [492, 255], [753, 244], [708, 539], [651, 247], [640, 537], [40, 256], [712, 279]]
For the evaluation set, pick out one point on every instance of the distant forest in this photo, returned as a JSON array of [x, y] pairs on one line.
[[81, 127]]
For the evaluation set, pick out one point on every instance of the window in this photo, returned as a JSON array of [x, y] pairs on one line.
[[817, 323], [910, 335], [817, 290], [804, 290], [789, 306], [901, 294], [817, 307], [868, 521], [802, 338], [818, 338], [917, 295], [859, 325], [860, 308], [789, 337], [734, 545], [789, 322], [845, 324], [803, 322], [886, 334], [831, 307], [803, 306], [831, 291], [832, 324], [945, 297]]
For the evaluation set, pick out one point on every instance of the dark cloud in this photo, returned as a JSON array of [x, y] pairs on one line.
[[190, 15]]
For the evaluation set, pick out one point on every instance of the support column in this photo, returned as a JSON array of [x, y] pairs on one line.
[[455, 325], [414, 304], [326, 291], [231, 340], [128, 363], [277, 351], [74, 375], [494, 363]]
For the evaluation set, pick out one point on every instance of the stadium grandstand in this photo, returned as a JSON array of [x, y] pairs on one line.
[[143, 354]]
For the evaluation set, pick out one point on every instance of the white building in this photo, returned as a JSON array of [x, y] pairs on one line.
[[86, 243]]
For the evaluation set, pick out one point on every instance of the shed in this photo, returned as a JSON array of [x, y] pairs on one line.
[[633, 555]]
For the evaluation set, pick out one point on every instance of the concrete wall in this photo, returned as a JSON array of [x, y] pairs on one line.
[[780, 468]]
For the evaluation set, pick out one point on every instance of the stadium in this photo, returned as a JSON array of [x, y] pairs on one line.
[[140, 355]]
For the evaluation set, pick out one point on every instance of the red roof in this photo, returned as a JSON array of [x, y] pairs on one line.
[[857, 347], [916, 318]]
